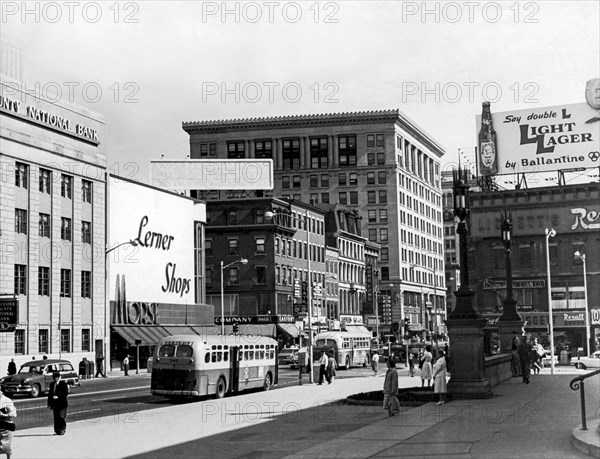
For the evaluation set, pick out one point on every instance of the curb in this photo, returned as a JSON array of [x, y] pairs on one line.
[[587, 441]]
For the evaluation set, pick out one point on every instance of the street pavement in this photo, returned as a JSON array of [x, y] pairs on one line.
[[534, 420]]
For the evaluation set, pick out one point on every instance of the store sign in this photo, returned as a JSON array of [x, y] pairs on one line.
[[501, 284], [595, 316], [351, 320], [535, 320], [9, 313], [586, 219], [267, 319], [546, 139]]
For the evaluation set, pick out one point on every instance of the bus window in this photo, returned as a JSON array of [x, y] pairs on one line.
[[225, 356], [183, 350], [261, 354], [166, 350], [207, 357]]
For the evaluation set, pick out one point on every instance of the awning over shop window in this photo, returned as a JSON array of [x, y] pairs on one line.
[[290, 329], [179, 330], [148, 335], [361, 329]]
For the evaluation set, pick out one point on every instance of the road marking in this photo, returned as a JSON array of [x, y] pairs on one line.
[[85, 393]]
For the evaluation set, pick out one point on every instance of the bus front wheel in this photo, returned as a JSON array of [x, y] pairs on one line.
[[267, 383], [347, 366], [221, 388]]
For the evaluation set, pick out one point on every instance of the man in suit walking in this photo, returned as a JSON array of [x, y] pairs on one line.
[[57, 402]]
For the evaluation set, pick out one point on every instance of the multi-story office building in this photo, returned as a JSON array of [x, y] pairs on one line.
[[379, 163]]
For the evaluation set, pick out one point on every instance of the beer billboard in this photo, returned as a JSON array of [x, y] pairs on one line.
[[562, 137]]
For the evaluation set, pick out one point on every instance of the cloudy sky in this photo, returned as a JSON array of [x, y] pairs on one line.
[[148, 66]]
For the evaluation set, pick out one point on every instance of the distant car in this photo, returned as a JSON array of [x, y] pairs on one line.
[[286, 356], [593, 361], [34, 377]]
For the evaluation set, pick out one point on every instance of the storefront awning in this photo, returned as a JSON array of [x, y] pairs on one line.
[[361, 329], [179, 330], [290, 329], [205, 331], [147, 334]]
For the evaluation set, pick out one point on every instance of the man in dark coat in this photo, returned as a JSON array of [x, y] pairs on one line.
[[525, 350], [100, 366], [57, 402], [12, 367]]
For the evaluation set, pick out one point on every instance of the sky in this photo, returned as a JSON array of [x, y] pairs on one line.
[[148, 66]]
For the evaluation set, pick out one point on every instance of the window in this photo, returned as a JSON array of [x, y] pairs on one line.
[[20, 272], [263, 149], [354, 197], [19, 341], [370, 140], [233, 248], [261, 275], [208, 247], [385, 254], [553, 251], [43, 341], [314, 181], [353, 178], [285, 181], [370, 178], [86, 232], [66, 186], [525, 256], [383, 234], [370, 159], [343, 197], [236, 149], [65, 283], [86, 284], [314, 198], [85, 339], [208, 149], [385, 273], [382, 197], [291, 153], [380, 140], [342, 179], [325, 180], [372, 216], [347, 150], [381, 177], [44, 225], [260, 245], [233, 275], [371, 197], [65, 229], [318, 152], [45, 179], [232, 217], [373, 234], [86, 191], [325, 198], [21, 174], [43, 281], [65, 340], [20, 221], [296, 182], [383, 215], [209, 275], [259, 216]]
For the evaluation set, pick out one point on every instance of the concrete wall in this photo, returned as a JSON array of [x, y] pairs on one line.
[[497, 368]]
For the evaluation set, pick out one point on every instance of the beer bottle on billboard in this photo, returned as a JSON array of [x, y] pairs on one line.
[[488, 146]]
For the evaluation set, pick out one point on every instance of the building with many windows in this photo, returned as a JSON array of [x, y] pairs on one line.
[[379, 163], [52, 222]]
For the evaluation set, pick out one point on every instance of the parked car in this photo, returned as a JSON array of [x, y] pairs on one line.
[[34, 377], [593, 361]]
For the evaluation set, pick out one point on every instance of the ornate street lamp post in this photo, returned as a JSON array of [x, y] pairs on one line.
[[550, 233], [465, 324], [581, 256]]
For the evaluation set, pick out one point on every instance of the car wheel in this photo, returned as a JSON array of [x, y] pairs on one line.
[[268, 382], [347, 367], [221, 388], [35, 390]]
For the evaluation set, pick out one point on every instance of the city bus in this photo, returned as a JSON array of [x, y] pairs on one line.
[[350, 348], [194, 366]]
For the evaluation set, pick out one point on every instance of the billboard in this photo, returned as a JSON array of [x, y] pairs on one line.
[[562, 137], [158, 267]]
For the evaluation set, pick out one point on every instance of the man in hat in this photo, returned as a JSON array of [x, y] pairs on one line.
[[57, 402]]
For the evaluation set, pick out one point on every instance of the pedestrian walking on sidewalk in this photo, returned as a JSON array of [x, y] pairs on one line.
[[426, 370], [411, 364], [126, 365], [439, 377], [323, 361], [537, 356], [99, 366], [57, 402], [525, 359], [375, 363], [390, 389], [515, 365], [7, 413], [331, 366]]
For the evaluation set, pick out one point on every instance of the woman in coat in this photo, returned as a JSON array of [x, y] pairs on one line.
[[439, 377], [426, 367], [390, 389], [7, 413]]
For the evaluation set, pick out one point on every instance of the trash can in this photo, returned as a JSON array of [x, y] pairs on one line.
[[82, 370], [564, 358], [90, 369]]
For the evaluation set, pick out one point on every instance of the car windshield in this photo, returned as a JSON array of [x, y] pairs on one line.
[[30, 369]]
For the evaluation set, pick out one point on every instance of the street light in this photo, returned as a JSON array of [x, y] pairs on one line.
[[550, 233], [581, 256], [509, 312], [243, 261], [133, 243]]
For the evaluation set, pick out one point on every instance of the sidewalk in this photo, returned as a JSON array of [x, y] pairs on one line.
[[533, 420]]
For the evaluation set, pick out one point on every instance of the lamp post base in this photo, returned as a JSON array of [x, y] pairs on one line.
[[467, 359]]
